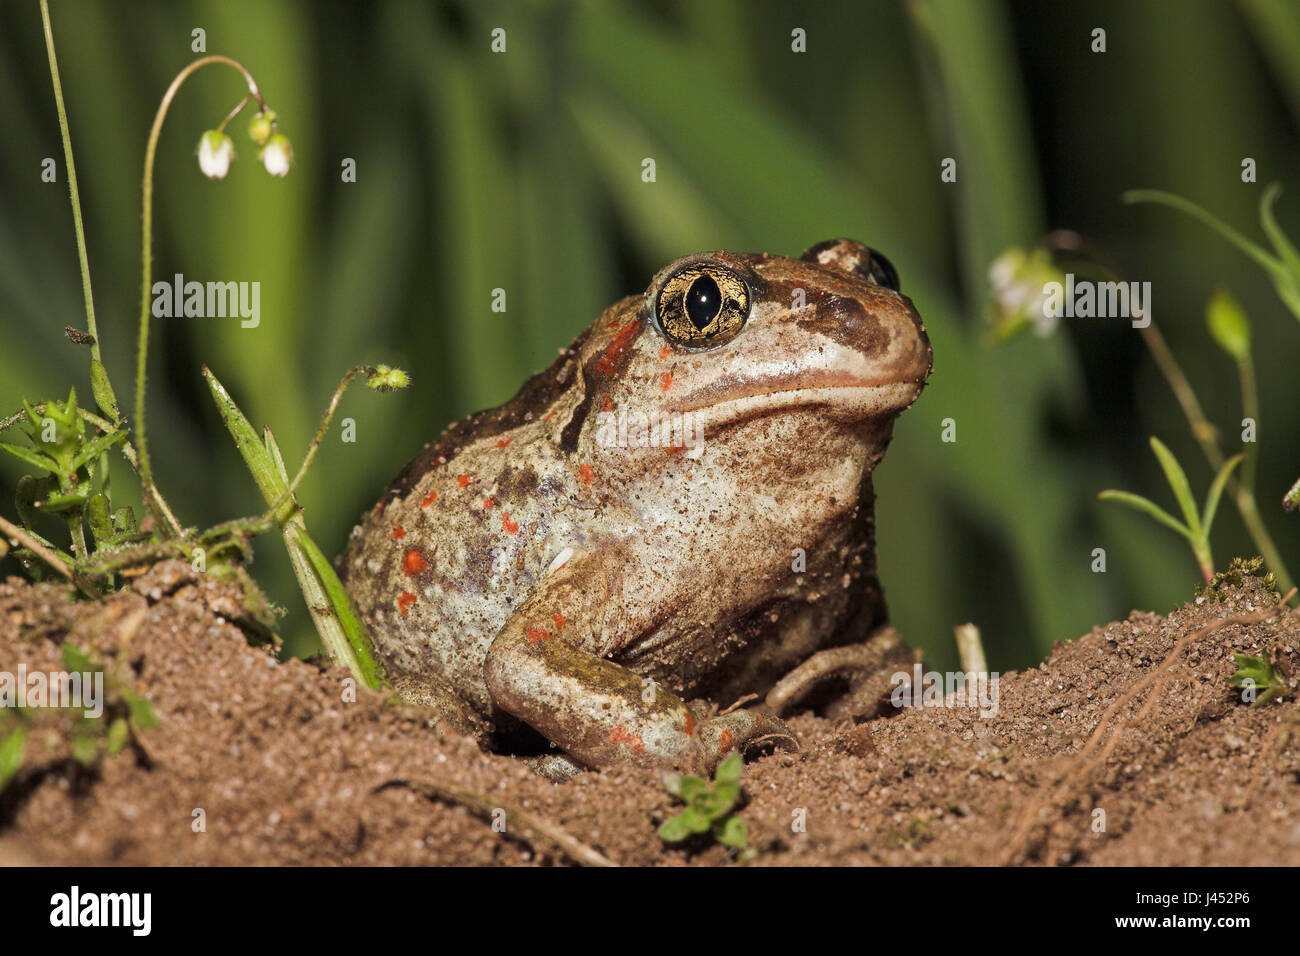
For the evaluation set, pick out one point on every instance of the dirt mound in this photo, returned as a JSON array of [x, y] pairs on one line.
[[1129, 746]]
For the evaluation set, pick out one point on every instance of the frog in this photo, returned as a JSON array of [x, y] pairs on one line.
[[675, 515]]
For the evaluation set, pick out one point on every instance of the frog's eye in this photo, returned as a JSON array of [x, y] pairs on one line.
[[702, 305], [882, 271]]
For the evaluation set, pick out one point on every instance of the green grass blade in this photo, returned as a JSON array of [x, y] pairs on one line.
[[1145, 505], [346, 614], [1216, 491], [1177, 479], [256, 457]]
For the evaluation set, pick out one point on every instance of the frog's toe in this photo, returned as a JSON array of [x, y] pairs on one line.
[[742, 730], [870, 665], [557, 768]]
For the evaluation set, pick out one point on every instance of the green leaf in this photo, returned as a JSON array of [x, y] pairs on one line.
[[256, 457], [1138, 503], [118, 732], [1228, 324], [11, 755], [1216, 491], [696, 821], [142, 713], [102, 389], [1259, 673], [57, 504], [675, 829], [1177, 479], [101, 523], [351, 623], [1281, 243], [93, 449], [75, 659], [32, 457], [85, 747], [730, 769], [692, 788], [733, 832]]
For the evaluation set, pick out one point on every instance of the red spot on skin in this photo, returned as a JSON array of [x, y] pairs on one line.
[[690, 724], [399, 533], [508, 526], [617, 346], [440, 460], [404, 602], [665, 351], [668, 380], [536, 634], [621, 735], [559, 622], [548, 416], [675, 449], [613, 325], [464, 481], [489, 503], [413, 562], [504, 442], [429, 499], [607, 405], [586, 473], [725, 742]]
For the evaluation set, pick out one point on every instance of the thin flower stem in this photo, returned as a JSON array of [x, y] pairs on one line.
[[77, 225], [142, 351], [324, 426], [235, 112]]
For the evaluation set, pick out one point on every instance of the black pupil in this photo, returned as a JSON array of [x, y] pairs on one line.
[[703, 302]]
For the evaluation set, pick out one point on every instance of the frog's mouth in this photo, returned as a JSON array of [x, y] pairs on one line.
[[847, 402]]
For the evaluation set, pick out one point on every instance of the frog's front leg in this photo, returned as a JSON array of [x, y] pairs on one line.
[[546, 667], [871, 664]]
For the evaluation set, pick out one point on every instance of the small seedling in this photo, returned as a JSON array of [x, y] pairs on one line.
[[1197, 527], [126, 714], [709, 806], [1258, 679]]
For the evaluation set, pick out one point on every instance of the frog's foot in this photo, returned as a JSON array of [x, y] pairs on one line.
[[871, 665], [446, 709], [744, 731]]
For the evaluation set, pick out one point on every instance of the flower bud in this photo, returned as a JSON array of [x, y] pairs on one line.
[[216, 152], [277, 155], [261, 127], [384, 378]]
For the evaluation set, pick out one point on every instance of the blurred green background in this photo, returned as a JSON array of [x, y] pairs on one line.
[[522, 171]]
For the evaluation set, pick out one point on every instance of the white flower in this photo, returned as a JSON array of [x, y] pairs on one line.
[[277, 155], [216, 153]]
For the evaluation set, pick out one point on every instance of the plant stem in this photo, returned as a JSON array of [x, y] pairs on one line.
[[77, 225], [142, 351], [19, 536], [1206, 435]]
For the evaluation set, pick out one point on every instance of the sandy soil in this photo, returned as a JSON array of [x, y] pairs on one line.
[[1137, 720]]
